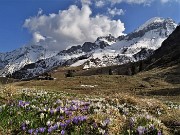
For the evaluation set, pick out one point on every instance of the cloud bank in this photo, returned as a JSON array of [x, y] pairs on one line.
[[71, 27]]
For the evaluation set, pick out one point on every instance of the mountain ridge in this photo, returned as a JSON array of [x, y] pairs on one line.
[[105, 51]]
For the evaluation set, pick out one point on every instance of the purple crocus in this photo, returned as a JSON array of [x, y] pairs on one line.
[[23, 124], [63, 125], [106, 121], [58, 101], [58, 108], [50, 129], [152, 127], [72, 108], [95, 125], [61, 117], [55, 127], [23, 103], [141, 130], [52, 111], [36, 132], [62, 132], [159, 133], [86, 108], [30, 131], [75, 120], [42, 129], [82, 118], [131, 122], [67, 112], [20, 102], [68, 121], [23, 128], [78, 119]]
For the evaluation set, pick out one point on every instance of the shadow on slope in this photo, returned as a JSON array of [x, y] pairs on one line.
[[165, 92]]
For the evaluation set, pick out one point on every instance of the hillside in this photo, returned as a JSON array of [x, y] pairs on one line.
[[140, 91], [167, 56], [169, 53]]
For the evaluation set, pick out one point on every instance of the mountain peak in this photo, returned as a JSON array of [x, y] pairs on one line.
[[108, 39], [156, 21]]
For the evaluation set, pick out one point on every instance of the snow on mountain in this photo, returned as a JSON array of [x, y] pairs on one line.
[[108, 39], [105, 51], [135, 46], [152, 21], [17, 59]]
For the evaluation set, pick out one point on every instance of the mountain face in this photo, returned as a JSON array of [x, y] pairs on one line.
[[169, 52], [105, 51], [17, 59]]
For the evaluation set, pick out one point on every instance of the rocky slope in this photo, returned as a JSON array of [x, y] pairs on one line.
[[17, 59], [169, 53]]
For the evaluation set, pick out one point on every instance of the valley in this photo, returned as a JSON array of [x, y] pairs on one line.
[[135, 97]]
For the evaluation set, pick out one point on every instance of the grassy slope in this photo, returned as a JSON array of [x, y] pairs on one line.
[[162, 83], [159, 83]]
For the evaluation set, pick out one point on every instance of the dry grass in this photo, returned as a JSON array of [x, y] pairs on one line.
[[151, 83], [148, 89]]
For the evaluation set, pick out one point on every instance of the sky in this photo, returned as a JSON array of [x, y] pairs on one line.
[[59, 24]]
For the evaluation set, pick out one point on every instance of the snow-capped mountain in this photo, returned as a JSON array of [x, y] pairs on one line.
[[135, 46], [17, 59], [105, 51]]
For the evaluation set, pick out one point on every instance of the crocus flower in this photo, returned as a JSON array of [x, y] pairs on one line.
[[63, 125], [131, 122], [75, 120], [55, 127], [36, 132], [50, 129], [62, 132], [159, 133], [141, 130], [58, 101], [23, 128], [61, 117], [68, 121], [30, 131], [52, 111], [95, 125], [106, 121], [42, 129]]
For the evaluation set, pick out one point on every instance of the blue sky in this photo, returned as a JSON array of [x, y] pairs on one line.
[[20, 20]]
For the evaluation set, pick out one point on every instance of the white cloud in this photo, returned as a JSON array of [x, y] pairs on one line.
[[71, 27], [40, 12], [100, 3], [86, 2], [115, 11], [144, 2], [37, 37], [166, 1]]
